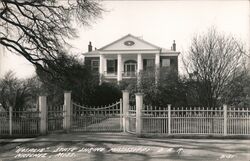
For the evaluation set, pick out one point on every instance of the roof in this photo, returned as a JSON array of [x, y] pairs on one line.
[[129, 35], [163, 50]]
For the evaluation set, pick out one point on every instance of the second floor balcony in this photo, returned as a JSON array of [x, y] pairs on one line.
[[125, 74]]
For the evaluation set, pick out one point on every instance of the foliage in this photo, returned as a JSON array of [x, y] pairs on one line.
[[74, 77], [131, 86], [77, 78], [239, 92], [214, 61], [105, 94], [85, 88], [38, 29], [168, 89], [18, 93]]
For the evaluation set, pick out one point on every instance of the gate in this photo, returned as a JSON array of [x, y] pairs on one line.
[[97, 119], [131, 119], [55, 119]]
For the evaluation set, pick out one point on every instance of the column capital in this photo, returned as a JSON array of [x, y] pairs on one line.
[[139, 94], [125, 91]]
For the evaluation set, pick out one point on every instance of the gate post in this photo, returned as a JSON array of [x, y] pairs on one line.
[[67, 111], [43, 114], [139, 105], [225, 118], [125, 105]]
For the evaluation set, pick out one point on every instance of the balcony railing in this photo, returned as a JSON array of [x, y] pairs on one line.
[[129, 74], [124, 74]]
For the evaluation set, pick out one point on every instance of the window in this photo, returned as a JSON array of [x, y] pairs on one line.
[[95, 65], [165, 62], [130, 67], [111, 66], [148, 63]]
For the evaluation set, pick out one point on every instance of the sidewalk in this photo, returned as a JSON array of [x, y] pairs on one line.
[[120, 146], [114, 137], [75, 137]]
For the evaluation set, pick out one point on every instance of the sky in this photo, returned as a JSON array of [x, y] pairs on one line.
[[158, 22]]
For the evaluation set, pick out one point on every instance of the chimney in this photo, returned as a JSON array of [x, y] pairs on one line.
[[174, 46], [89, 47]]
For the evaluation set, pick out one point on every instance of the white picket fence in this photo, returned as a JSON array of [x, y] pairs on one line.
[[144, 119], [31, 122], [139, 119], [196, 120], [19, 122]]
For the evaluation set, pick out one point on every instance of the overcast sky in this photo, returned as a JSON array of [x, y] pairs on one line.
[[159, 22]]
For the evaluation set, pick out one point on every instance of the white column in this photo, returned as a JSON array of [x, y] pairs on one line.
[[119, 67], [139, 63], [104, 65], [157, 60], [157, 67], [101, 64]]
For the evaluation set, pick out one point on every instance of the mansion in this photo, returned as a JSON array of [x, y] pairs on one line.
[[126, 57]]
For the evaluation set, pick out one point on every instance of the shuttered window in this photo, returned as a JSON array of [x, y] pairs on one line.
[[111, 66]]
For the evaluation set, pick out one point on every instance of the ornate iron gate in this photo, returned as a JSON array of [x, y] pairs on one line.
[[97, 119]]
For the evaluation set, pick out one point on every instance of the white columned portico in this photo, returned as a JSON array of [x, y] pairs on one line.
[[139, 63], [119, 68]]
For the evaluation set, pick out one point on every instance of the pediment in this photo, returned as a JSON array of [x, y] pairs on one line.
[[129, 42]]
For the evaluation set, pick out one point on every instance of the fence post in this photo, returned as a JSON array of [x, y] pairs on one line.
[[121, 120], [225, 119], [43, 114], [67, 111], [125, 105], [139, 105], [169, 119], [10, 119]]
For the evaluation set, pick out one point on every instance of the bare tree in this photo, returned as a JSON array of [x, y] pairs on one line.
[[37, 29], [214, 60], [18, 93]]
